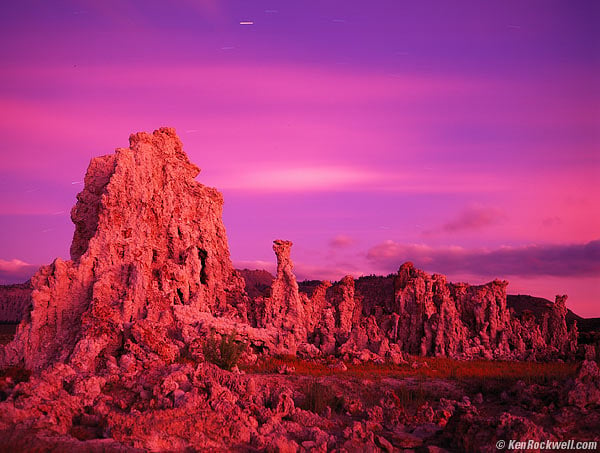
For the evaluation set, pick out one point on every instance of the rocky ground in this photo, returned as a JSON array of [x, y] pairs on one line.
[[287, 404]]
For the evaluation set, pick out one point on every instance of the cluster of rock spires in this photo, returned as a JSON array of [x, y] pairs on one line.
[[411, 312], [150, 256], [150, 278]]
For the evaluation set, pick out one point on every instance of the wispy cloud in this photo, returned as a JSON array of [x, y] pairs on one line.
[[297, 178], [280, 177], [259, 83], [472, 218], [15, 271], [342, 241], [550, 259]]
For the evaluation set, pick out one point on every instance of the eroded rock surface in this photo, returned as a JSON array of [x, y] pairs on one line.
[[377, 318], [284, 308], [148, 237]]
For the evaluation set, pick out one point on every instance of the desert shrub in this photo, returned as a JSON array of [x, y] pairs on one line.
[[224, 351], [318, 396]]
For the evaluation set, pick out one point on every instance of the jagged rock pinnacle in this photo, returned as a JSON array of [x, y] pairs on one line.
[[147, 236]]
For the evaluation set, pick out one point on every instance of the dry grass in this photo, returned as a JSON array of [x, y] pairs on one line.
[[430, 367], [318, 396]]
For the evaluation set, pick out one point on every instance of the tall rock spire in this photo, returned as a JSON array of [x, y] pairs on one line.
[[147, 236]]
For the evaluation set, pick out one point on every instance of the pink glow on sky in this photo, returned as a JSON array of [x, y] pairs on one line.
[[442, 131]]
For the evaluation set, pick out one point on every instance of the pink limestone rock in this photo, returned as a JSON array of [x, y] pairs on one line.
[[148, 237]]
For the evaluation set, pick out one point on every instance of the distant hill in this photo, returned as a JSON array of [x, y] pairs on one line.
[[538, 305], [258, 281], [14, 301]]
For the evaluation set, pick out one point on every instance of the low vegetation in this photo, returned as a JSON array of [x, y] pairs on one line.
[[318, 396], [405, 396], [224, 351], [426, 367]]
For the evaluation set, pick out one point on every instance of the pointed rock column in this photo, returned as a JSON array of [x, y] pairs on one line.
[[284, 309], [285, 280]]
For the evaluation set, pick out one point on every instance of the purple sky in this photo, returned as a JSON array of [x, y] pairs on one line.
[[464, 136]]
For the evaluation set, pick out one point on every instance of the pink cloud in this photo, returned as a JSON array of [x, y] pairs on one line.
[[292, 178], [472, 218], [15, 271], [531, 260], [342, 241]]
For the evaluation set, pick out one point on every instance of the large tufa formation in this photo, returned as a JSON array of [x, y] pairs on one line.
[[148, 237], [150, 259], [284, 308]]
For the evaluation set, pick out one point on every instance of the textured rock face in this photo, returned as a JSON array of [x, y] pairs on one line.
[[378, 318], [585, 392], [430, 316], [148, 237], [554, 326], [15, 301], [284, 307], [439, 318], [287, 307]]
